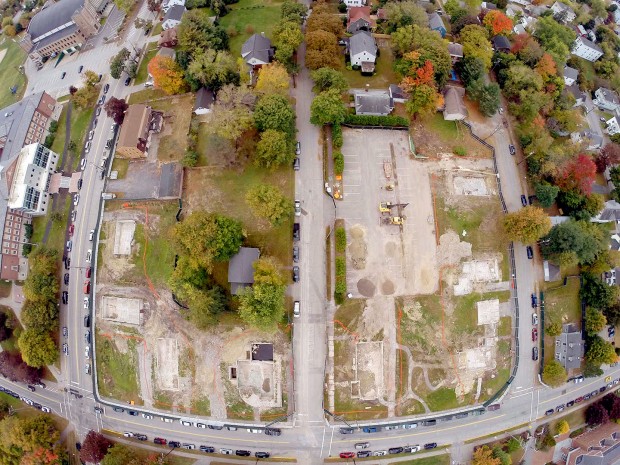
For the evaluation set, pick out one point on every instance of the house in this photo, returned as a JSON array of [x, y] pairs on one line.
[[168, 38], [613, 127], [522, 2], [257, 52], [551, 271], [610, 212], [501, 44], [577, 93], [362, 48], [569, 347], [62, 26], [525, 24], [591, 140], [598, 446], [435, 23], [488, 6], [241, 269], [614, 242], [173, 17], [358, 19], [570, 75], [586, 49], [557, 128], [375, 103], [167, 4], [352, 3], [456, 52], [514, 10], [133, 140], [454, 107], [204, 101], [606, 99], [397, 94], [563, 13]]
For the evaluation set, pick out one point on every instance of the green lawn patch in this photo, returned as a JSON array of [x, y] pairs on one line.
[[348, 315], [121, 165], [383, 76], [117, 371], [505, 326], [443, 459], [10, 75], [142, 73], [463, 320], [490, 386], [442, 399], [356, 410], [59, 141], [157, 29], [248, 17], [146, 95], [562, 303]]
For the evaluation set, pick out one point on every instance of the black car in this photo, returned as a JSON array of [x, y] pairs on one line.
[[78, 446], [295, 274], [65, 297], [141, 437], [549, 412], [364, 453], [174, 444], [261, 455], [31, 388], [87, 321], [534, 301], [105, 89], [62, 76], [534, 353], [79, 185], [207, 449], [430, 445], [217, 427], [118, 409], [429, 422], [127, 81], [395, 450], [524, 200], [530, 252], [87, 337], [296, 232], [296, 164], [67, 263], [98, 410], [512, 149], [295, 254], [242, 453], [273, 431], [346, 430], [66, 278], [133, 413], [80, 69], [570, 403]]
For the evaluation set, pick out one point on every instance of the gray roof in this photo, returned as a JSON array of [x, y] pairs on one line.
[[551, 271], [175, 13], [576, 91], [396, 92], [240, 269], [569, 347], [611, 212], [373, 103], [14, 122], [53, 17], [610, 456], [571, 73], [204, 99], [257, 46], [564, 7], [454, 105], [362, 41], [56, 36], [455, 49], [167, 52], [435, 22], [590, 44], [609, 95], [500, 42]]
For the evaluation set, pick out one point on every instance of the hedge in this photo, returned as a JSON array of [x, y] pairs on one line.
[[338, 163], [341, 240], [368, 120], [337, 136]]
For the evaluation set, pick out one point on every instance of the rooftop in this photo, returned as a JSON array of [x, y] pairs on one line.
[[362, 41], [135, 126], [53, 17], [175, 13], [373, 103], [571, 73], [435, 22], [241, 269], [257, 47], [204, 98], [589, 43]]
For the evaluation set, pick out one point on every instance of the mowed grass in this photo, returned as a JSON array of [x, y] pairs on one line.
[[442, 399], [56, 238], [9, 73], [562, 303], [143, 73], [443, 459], [146, 95], [80, 121], [120, 165], [464, 316], [384, 72], [248, 17], [116, 371]]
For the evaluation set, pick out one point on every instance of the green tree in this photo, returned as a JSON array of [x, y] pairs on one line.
[[197, 33], [117, 64], [595, 321], [488, 99], [287, 37], [273, 149], [275, 112], [556, 38], [504, 458], [322, 50], [214, 69], [124, 5], [554, 329], [600, 351], [520, 78], [562, 427], [273, 79], [118, 454], [405, 13], [230, 116], [422, 100], [37, 348], [471, 69], [596, 293], [327, 108], [574, 242], [293, 11], [327, 78], [546, 194], [262, 305], [483, 455], [554, 374], [40, 315], [267, 201], [475, 43], [527, 225]]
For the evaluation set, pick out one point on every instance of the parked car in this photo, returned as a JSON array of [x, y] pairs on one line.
[[534, 334], [133, 413], [87, 368], [362, 445], [363, 453], [524, 200], [296, 311], [347, 455], [66, 279], [76, 199], [560, 407], [91, 234], [160, 441], [297, 208], [296, 164], [174, 444], [298, 148], [535, 353], [295, 274], [188, 446], [549, 412], [530, 252], [430, 445], [207, 449], [86, 287], [512, 149], [371, 429], [65, 297], [534, 319], [396, 450], [261, 455], [87, 321], [65, 331], [295, 254], [346, 431], [105, 91], [412, 449], [534, 301], [243, 453], [296, 232], [273, 431], [379, 453], [226, 451]]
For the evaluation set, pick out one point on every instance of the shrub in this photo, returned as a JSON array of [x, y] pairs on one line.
[[341, 267], [337, 133], [341, 240], [49, 140], [342, 7], [249, 29], [368, 120], [340, 291], [26, 249], [460, 151], [512, 445], [190, 159], [338, 163], [232, 31]]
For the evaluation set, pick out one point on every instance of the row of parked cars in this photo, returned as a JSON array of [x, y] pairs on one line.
[[32, 403], [380, 453], [205, 449], [589, 396]]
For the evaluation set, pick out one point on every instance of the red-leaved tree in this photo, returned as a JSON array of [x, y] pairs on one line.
[[116, 108], [95, 447], [609, 155], [596, 414], [577, 175], [497, 22]]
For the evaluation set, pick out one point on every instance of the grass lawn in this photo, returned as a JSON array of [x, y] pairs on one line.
[[56, 238], [505, 326], [562, 303], [121, 165], [80, 121], [146, 95], [10, 344], [157, 29], [9, 73], [466, 307], [116, 371], [142, 73], [383, 76], [248, 17], [201, 406], [59, 141], [492, 385], [443, 459], [442, 399]]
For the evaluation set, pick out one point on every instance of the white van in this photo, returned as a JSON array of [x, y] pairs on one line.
[[296, 311]]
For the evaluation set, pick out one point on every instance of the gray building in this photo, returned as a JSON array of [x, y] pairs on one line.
[[373, 103], [569, 347], [241, 269]]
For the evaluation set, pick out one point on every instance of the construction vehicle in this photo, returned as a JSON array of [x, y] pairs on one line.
[[395, 220], [385, 207]]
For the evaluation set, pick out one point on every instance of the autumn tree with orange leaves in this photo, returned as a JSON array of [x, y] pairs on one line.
[[167, 75], [498, 23], [421, 86]]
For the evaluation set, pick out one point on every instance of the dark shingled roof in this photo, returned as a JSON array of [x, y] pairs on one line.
[[258, 47], [240, 269], [204, 98], [53, 16], [176, 12], [500, 42]]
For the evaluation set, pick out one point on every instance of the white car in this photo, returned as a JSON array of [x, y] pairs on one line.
[[91, 234], [296, 311], [186, 423], [380, 453], [128, 434], [226, 451], [297, 208], [87, 352], [83, 164], [87, 148], [76, 200], [90, 135], [254, 430], [45, 409], [147, 416], [89, 255], [201, 425], [414, 449], [86, 303]]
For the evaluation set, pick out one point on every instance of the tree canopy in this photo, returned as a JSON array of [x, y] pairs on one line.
[[527, 225], [554, 374], [273, 149], [267, 201], [262, 305], [273, 79], [275, 112], [197, 33], [327, 78], [327, 108], [214, 69], [167, 74], [574, 242]]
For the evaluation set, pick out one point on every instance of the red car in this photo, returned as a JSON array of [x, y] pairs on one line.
[[161, 441], [87, 287], [88, 272], [71, 229], [534, 334], [347, 455]]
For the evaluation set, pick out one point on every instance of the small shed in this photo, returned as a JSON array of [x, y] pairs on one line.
[[241, 269], [204, 101]]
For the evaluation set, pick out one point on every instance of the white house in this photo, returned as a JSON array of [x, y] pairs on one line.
[[522, 2], [173, 17], [350, 3], [586, 49], [570, 75], [606, 99], [362, 48], [563, 12], [167, 4], [612, 126]]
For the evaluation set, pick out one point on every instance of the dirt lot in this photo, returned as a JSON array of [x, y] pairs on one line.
[[419, 284]]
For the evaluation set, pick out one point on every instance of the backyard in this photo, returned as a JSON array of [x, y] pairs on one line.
[[80, 121], [383, 76], [143, 73], [10, 76]]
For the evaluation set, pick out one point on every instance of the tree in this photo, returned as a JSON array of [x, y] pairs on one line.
[[612, 313], [608, 156], [546, 194], [37, 348], [595, 321], [115, 108], [498, 23], [262, 305], [273, 149], [521, 78], [578, 174], [231, 115], [327, 108], [94, 447], [40, 315], [487, 96], [275, 112], [527, 225], [574, 242], [554, 37], [483, 455], [554, 374], [596, 414], [273, 79], [124, 5], [267, 201], [286, 38], [504, 458], [167, 74], [611, 403], [470, 69], [404, 13], [214, 69], [85, 97], [117, 64], [596, 293], [293, 11], [554, 329], [476, 44], [562, 427], [527, 49], [327, 78], [463, 20], [205, 238], [600, 351], [154, 5], [321, 19], [322, 50], [197, 33]]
